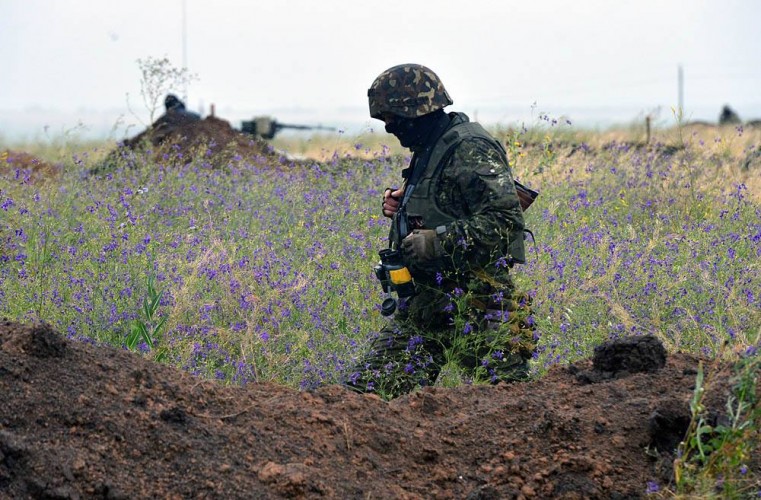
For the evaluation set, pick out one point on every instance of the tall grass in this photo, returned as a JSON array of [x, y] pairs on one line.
[[263, 272], [635, 239], [266, 272]]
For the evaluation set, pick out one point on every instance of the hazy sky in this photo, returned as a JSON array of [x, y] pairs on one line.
[[68, 61]]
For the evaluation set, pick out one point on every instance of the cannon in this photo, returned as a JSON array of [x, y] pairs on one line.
[[266, 127]]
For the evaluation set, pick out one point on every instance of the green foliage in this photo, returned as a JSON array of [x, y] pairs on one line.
[[543, 137], [714, 457], [147, 327], [265, 271]]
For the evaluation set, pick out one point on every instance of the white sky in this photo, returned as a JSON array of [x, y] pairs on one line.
[[311, 61]]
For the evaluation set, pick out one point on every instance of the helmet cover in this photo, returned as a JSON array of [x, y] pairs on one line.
[[407, 90]]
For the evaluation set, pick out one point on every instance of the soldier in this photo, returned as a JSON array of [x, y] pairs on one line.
[[728, 116], [458, 225], [176, 114]]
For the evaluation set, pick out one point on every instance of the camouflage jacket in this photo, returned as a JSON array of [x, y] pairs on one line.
[[469, 198]]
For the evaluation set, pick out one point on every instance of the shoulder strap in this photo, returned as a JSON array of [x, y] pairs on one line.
[[467, 129], [456, 134]]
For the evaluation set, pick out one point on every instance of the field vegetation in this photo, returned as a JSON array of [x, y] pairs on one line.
[[261, 269]]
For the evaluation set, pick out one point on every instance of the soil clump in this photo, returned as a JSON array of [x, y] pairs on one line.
[[85, 421]]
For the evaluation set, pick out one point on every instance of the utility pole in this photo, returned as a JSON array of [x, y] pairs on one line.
[[680, 111], [184, 48]]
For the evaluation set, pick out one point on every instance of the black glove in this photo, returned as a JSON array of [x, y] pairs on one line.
[[421, 247]]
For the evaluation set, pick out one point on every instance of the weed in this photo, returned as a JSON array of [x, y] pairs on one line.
[[713, 457], [147, 327], [157, 78]]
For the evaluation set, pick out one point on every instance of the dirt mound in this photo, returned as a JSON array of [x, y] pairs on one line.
[[622, 358], [80, 421], [211, 138], [26, 167]]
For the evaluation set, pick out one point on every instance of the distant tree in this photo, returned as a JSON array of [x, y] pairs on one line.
[[158, 78]]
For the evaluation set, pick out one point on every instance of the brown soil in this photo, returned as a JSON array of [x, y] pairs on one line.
[[211, 138], [82, 421], [26, 167]]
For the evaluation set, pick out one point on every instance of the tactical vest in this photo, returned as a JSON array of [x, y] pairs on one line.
[[422, 202]]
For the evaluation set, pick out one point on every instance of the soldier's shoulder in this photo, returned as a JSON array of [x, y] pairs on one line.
[[472, 149]]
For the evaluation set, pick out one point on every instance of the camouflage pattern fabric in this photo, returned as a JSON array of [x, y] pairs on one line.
[[407, 90], [478, 346], [475, 189], [466, 316]]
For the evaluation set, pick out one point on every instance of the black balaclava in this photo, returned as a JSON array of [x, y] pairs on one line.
[[413, 132], [173, 102]]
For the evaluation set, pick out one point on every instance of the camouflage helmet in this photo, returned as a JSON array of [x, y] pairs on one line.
[[407, 90]]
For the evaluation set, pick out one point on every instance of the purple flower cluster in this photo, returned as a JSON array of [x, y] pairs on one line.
[[260, 280], [266, 270], [632, 247]]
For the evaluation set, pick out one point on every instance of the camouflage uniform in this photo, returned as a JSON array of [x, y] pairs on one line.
[[465, 311], [176, 114]]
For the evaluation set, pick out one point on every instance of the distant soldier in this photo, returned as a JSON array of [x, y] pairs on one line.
[[176, 114], [458, 225], [728, 116]]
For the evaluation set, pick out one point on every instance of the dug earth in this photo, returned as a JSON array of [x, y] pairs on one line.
[[83, 421]]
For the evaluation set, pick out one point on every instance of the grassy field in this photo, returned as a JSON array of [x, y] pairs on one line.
[[261, 270], [265, 272]]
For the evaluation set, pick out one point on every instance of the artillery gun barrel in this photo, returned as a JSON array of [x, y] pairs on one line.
[[266, 127], [297, 127], [303, 127]]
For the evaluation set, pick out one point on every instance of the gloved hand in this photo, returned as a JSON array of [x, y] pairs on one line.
[[421, 247]]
